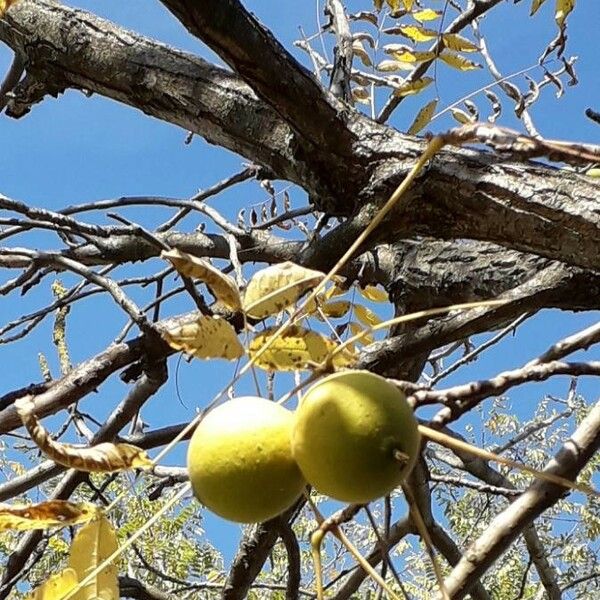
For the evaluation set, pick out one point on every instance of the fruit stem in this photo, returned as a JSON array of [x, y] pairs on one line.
[[333, 524], [316, 539]]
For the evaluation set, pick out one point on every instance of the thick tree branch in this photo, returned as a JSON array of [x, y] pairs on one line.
[[163, 82], [268, 68], [464, 194]]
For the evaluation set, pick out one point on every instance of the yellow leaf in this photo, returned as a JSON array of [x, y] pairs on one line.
[[594, 172], [55, 587], [297, 349], [408, 4], [336, 309], [359, 50], [366, 316], [105, 458], [4, 6], [355, 329], [393, 4], [413, 56], [388, 66], [461, 116], [221, 286], [206, 337], [334, 291], [563, 8], [54, 513], [414, 87], [459, 62], [427, 14], [277, 287], [535, 6], [422, 119], [375, 294], [92, 544], [312, 306], [453, 41], [416, 33]]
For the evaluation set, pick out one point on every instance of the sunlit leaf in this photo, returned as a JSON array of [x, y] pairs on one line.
[[56, 587], [413, 56], [334, 291], [297, 349], [105, 457], [53, 513], [92, 544], [365, 15], [277, 287], [563, 8], [416, 33], [359, 50], [395, 48], [421, 120], [535, 6], [427, 14], [408, 4], [594, 172], [414, 87], [5, 5], [459, 62], [336, 309], [375, 294], [356, 328], [453, 41], [205, 337], [221, 286], [390, 66], [461, 116], [366, 316]]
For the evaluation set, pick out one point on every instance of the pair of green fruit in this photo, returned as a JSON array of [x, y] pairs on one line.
[[353, 438]]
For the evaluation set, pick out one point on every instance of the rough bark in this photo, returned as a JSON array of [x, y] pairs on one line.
[[465, 194]]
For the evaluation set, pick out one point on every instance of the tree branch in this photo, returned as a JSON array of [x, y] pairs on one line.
[[498, 536], [253, 552], [268, 68]]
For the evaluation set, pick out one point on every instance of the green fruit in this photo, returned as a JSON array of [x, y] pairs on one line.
[[240, 461], [347, 433]]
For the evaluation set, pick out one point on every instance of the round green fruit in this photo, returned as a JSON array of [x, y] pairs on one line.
[[351, 432], [240, 460]]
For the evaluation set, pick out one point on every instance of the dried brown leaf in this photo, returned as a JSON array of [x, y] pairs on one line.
[[53, 513], [105, 457]]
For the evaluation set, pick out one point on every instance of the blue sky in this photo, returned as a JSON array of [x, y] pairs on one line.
[[76, 149]]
